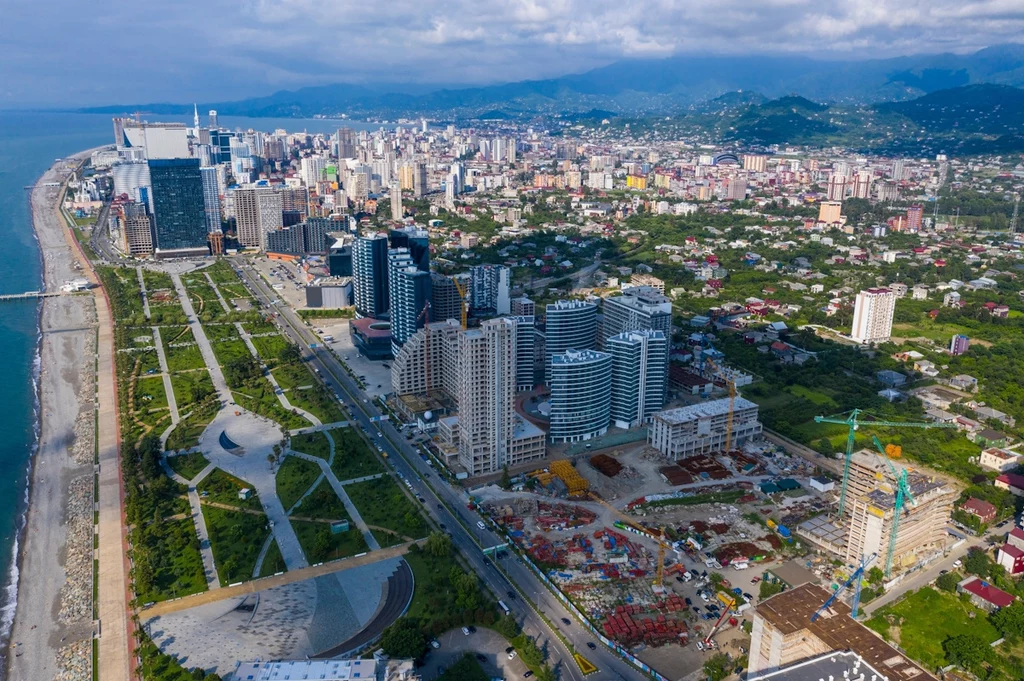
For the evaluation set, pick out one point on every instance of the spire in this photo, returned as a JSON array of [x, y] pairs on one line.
[[195, 115]]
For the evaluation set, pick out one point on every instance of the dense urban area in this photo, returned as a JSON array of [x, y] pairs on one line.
[[557, 400]]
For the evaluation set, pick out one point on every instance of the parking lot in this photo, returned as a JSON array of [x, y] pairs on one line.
[[287, 280], [377, 377], [487, 645]]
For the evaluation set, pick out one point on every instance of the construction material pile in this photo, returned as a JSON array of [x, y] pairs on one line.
[[653, 630], [567, 473], [606, 465], [562, 517]]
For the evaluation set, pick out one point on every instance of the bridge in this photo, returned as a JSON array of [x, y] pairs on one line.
[[29, 294]]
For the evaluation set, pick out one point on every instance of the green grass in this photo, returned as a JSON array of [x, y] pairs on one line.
[[230, 350], [156, 281], [150, 394], [236, 539], [269, 347], [466, 669], [220, 332], [352, 456], [222, 488], [382, 503], [320, 545], [928, 617], [182, 358], [177, 565], [314, 444], [273, 562], [258, 396], [189, 428], [261, 326], [294, 477], [190, 384], [188, 465], [814, 396], [322, 504]]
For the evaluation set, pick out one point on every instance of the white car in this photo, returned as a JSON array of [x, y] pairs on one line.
[[958, 563], [465, 630], [434, 644], [700, 645], [512, 655], [703, 597]]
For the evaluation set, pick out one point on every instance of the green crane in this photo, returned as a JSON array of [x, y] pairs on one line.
[[902, 494], [853, 423]]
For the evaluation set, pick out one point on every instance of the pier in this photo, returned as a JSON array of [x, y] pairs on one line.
[[29, 294]]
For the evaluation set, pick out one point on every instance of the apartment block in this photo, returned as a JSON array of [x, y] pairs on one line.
[[872, 315], [638, 308], [701, 428]]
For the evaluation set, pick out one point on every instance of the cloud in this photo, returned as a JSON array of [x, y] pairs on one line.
[[65, 53]]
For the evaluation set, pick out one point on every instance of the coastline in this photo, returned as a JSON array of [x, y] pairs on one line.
[[53, 623]]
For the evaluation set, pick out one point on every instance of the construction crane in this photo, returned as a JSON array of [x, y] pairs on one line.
[[902, 494], [425, 314], [718, 624], [857, 576], [732, 400], [853, 422], [662, 543], [461, 288]]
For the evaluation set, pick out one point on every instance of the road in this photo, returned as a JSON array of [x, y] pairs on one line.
[[447, 507]]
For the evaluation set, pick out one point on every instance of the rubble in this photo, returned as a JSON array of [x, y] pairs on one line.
[[74, 662], [76, 593]]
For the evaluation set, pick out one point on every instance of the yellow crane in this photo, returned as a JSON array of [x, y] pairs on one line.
[[732, 399], [627, 520], [463, 305]]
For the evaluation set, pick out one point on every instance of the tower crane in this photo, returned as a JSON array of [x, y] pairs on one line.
[[426, 344], [853, 422], [732, 400], [902, 494], [461, 288], [857, 576], [662, 544]]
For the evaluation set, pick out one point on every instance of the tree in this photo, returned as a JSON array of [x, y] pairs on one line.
[[404, 639], [289, 353], [977, 563], [966, 650], [769, 589], [948, 582], [506, 479], [716, 578], [875, 576], [717, 667], [439, 545], [1009, 620], [322, 544], [507, 627]]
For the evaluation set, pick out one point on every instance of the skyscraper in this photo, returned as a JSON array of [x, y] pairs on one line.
[[872, 315], [915, 218], [419, 180], [568, 325], [370, 275], [639, 375], [409, 293], [490, 287], [211, 198], [257, 212], [177, 205], [638, 307], [417, 241], [959, 345], [445, 302], [581, 382], [526, 341], [395, 194]]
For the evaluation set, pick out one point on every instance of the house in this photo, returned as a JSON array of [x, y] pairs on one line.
[[984, 595], [980, 509], [1011, 558], [890, 378], [964, 382], [988, 413], [1012, 482], [1015, 538], [890, 395], [996, 459], [822, 484], [926, 367], [991, 438], [790, 575]]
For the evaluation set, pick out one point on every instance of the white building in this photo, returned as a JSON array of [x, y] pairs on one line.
[[701, 428], [872, 315], [996, 459], [581, 382], [639, 376], [568, 325]]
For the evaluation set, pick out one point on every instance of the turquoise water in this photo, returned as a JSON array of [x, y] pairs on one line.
[[29, 144]]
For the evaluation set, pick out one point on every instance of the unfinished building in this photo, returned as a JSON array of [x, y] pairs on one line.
[[783, 634], [701, 428]]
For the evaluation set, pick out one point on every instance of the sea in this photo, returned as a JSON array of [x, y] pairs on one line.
[[29, 144]]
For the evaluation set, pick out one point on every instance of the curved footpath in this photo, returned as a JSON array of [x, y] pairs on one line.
[[54, 624]]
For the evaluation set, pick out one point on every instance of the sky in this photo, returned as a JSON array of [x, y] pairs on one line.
[[61, 53]]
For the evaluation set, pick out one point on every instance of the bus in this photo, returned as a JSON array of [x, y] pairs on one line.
[[504, 607]]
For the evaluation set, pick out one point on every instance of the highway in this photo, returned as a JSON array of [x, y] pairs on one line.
[[447, 507]]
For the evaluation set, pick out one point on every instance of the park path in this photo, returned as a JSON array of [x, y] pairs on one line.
[[219, 383], [216, 289], [273, 381], [323, 427], [209, 566], [165, 373], [142, 288]]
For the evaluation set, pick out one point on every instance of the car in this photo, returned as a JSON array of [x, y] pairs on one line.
[[958, 563], [465, 631], [689, 602], [440, 507], [481, 525], [481, 657], [703, 596], [509, 649], [748, 596], [755, 580], [528, 674], [512, 655], [943, 572], [434, 644], [694, 573], [486, 562], [696, 608], [680, 579], [442, 526], [511, 594], [565, 621], [422, 500], [700, 645], [590, 644]]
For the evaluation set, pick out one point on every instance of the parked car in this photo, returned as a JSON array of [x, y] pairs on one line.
[[590, 644]]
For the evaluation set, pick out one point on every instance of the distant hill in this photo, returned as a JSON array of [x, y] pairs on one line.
[[644, 86], [987, 109]]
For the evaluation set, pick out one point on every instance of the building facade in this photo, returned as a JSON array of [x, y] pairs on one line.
[[638, 308], [178, 213], [639, 376], [701, 428], [568, 325], [370, 276], [872, 315], [580, 385]]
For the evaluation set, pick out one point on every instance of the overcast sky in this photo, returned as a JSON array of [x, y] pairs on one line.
[[62, 53]]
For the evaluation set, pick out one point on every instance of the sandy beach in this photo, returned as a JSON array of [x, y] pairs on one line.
[[53, 625]]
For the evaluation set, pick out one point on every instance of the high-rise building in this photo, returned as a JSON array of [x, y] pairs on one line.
[[898, 169], [959, 345], [419, 180], [756, 164], [155, 140], [409, 295], [490, 287], [314, 237], [213, 118], [132, 179], [638, 308], [177, 205], [526, 340], [417, 241], [737, 190], [581, 382], [639, 376], [288, 240], [257, 212], [915, 218], [837, 187], [346, 143], [872, 315], [701, 428], [312, 169], [830, 212], [523, 307], [445, 302], [211, 198], [395, 194], [862, 184], [131, 228], [370, 275], [568, 325]]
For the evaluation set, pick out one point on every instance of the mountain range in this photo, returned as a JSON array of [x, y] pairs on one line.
[[638, 87]]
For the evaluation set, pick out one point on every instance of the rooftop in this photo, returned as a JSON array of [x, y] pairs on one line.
[[578, 357], [703, 410], [790, 612], [794, 574], [329, 670], [987, 592], [839, 664]]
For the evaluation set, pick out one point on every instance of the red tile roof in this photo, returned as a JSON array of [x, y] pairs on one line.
[[980, 508], [987, 592], [1012, 551], [1012, 479]]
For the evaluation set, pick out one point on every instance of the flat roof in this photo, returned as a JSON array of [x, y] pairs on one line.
[[702, 410], [839, 664], [329, 670], [794, 574], [790, 612]]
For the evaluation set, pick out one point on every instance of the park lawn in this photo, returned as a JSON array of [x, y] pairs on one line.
[[352, 456], [151, 387], [186, 434], [258, 397], [294, 375], [314, 444], [268, 347], [188, 465], [322, 504], [189, 384], [173, 549], [928, 617], [181, 357], [294, 477], [230, 350], [235, 291], [221, 272], [466, 669], [222, 488], [318, 402], [815, 396], [320, 545], [156, 280], [273, 562], [220, 332], [260, 326], [236, 538], [383, 504]]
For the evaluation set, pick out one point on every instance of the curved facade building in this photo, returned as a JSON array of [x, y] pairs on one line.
[[581, 382], [639, 376], [568, 325]]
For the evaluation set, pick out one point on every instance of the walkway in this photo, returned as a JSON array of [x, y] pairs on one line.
[[142, 288], [289, 577], [320, 428], [339, 489], [213, 285], [219, 383], [209, 566], [273, 381], [165, 373]]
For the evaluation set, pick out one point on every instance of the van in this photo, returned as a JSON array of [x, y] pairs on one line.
[[481, 525], [687, 576]]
